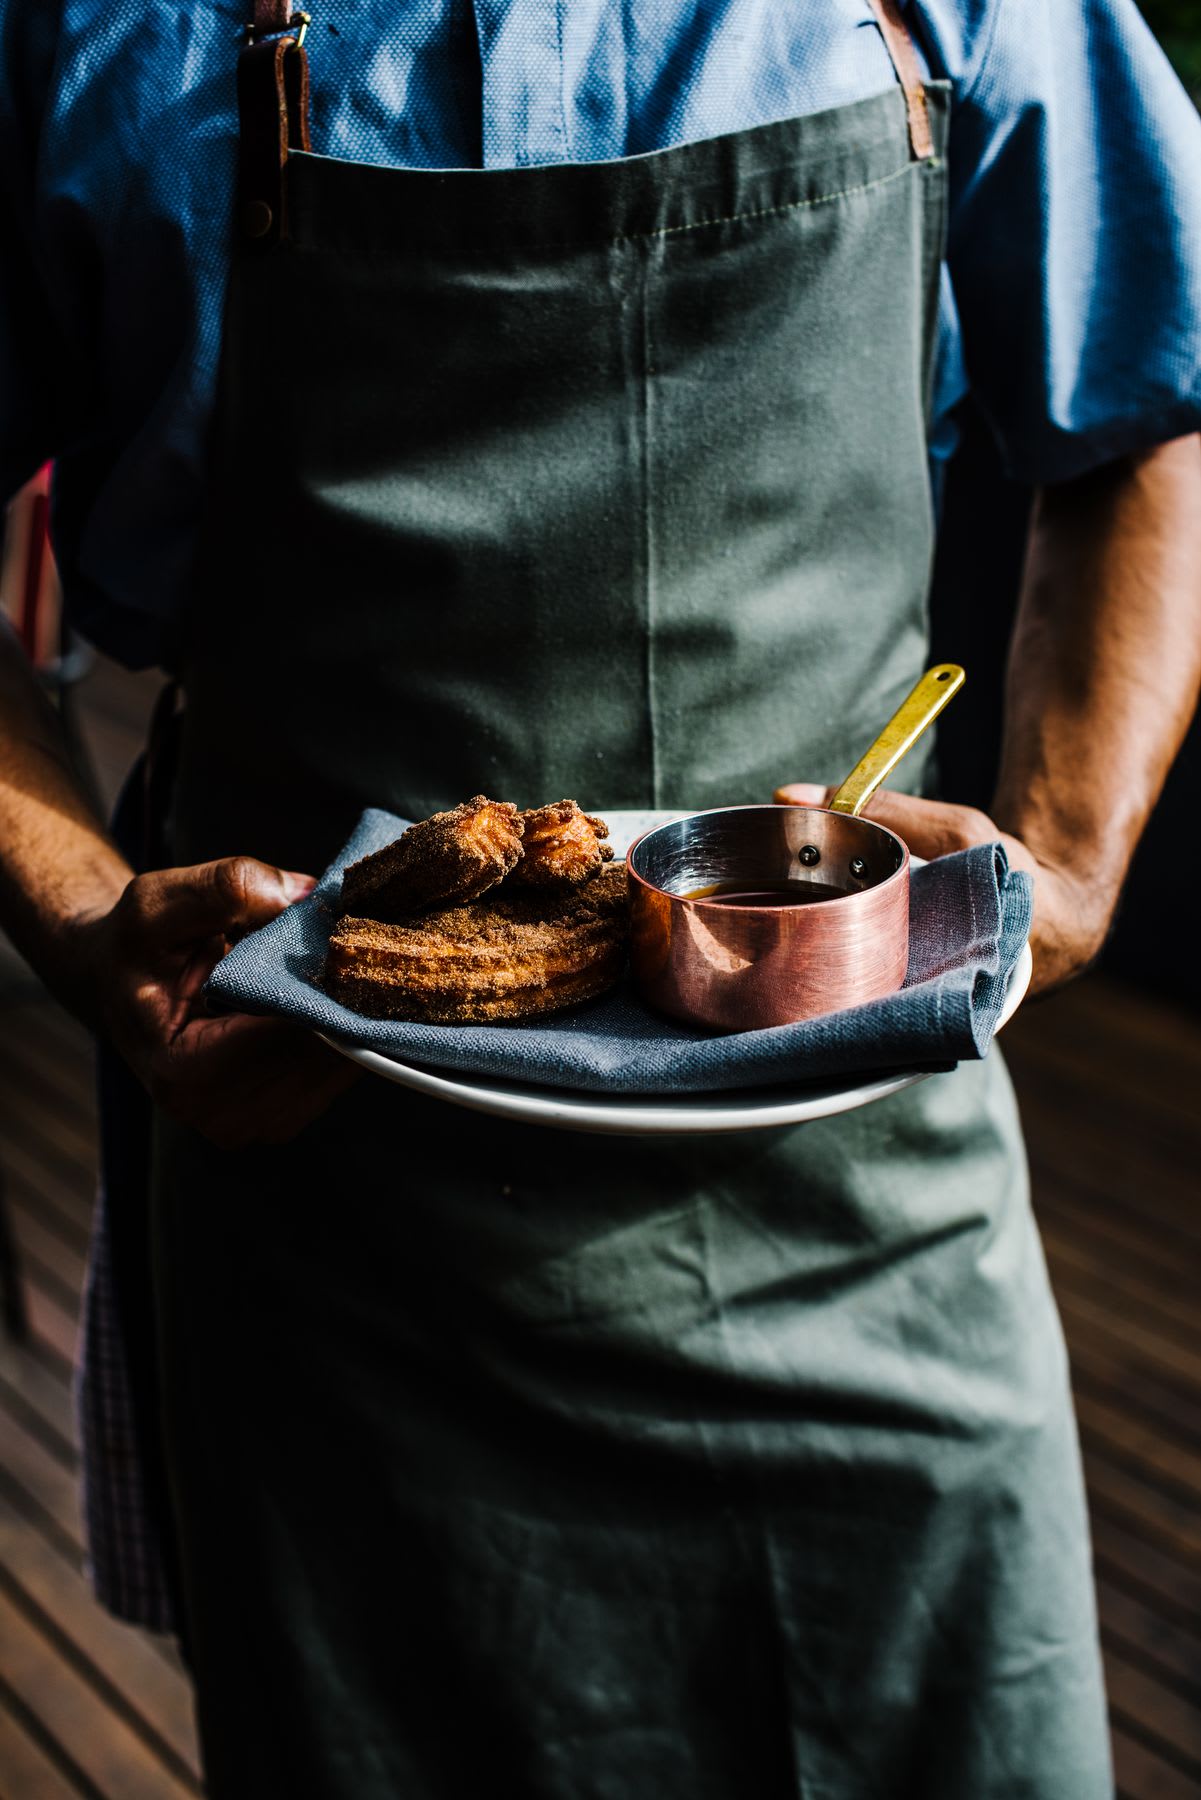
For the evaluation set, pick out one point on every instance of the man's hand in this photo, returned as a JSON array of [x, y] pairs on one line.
[[1069, 921], [130, 957], [237, 1079], [1103, 677]]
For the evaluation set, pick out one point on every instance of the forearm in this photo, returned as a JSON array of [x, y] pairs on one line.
[[1104, 667], [58, 867]]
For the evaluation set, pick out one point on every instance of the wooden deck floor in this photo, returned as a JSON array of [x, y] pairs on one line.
[[1111, 1093]]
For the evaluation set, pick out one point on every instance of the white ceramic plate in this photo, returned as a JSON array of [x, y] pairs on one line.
[[639, 1115]]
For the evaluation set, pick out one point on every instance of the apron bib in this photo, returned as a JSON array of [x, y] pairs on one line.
[[504, 1461]]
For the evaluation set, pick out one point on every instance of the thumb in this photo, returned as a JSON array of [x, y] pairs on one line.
[[801, 793], [223, 898], [930, 827], [934, 827]]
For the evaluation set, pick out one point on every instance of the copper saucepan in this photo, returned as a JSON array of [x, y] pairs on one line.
[[763, 915]]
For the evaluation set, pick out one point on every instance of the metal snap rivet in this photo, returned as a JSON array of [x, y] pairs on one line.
[[809, 854], [257, 218], [858, 868]]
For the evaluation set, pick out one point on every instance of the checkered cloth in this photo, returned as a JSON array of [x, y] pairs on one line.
[[127, 1563]]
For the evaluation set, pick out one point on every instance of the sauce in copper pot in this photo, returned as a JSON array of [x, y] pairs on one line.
[[800, 892]]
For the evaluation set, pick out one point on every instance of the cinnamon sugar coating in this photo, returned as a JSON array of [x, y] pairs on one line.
[[515, 955], [447, 859], [560, 845]]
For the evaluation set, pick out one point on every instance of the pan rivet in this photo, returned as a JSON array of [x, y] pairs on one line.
[[809, 855], [858, 868]]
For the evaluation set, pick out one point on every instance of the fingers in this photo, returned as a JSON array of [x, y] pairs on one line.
[[172, 907], [238, 1079], [242, 1080], [930, 827], [937, 828], [801, 793]]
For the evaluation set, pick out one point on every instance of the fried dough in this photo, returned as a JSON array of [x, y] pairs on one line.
[[560, 845], [514, 955], [445, 860]]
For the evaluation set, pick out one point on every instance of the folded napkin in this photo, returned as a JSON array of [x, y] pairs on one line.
[[969, 915]]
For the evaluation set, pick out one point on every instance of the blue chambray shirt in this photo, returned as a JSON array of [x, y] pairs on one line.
[[1071, 298]]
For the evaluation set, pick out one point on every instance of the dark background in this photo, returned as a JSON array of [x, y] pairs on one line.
[[1177, 25]]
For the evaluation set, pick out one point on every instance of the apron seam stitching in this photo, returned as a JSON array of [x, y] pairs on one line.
[[930, 165], [770, 212]]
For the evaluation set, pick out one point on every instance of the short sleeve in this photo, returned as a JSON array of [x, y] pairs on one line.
[[1074, 242], [34, 377]]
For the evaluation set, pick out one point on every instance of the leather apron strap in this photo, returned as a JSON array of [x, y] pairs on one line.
[[898, 41], [273, 115], [271, 16], [273, 106]]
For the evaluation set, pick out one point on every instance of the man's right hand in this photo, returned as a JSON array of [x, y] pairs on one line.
[[235, 1078]]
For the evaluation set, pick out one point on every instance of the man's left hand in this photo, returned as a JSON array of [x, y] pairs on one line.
[[1071, 916]]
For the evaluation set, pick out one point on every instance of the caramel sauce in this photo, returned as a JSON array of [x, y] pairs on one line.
[[800, 892]]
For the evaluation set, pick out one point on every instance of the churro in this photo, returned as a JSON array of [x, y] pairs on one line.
[[513, 955], [445, 860]]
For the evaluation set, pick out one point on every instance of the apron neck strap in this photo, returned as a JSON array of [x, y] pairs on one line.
[[899, 44], [273, 116], [273, 105], [271, 16]]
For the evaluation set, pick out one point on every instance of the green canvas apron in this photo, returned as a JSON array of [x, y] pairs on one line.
[[507, 1461]]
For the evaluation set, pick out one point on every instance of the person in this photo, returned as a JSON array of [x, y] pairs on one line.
[[560, 418]]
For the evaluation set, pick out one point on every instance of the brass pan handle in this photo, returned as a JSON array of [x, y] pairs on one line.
[[936, 687]]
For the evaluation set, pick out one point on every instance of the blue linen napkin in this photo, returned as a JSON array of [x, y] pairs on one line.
[[969, 915]]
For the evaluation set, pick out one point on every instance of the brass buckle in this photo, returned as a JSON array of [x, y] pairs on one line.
[[248, 35]]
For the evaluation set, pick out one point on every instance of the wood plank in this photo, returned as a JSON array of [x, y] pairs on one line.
[[1108, 1157], [64, 1206], [1157, 1517], [26, 1772], [47, 1023], [1076, 1264], [63, 1295], [1069, 1109], [34, 1114], [1167, 1467], [1119, 1232], [63, 1061], [38, 1389], [1103, 1033], [115, 1659], [106, 1748], [42, 1404], [35, 1484], [52, 1328], [37, 1240], [65, 1188], [1097, 1055], [1158, 1040], [62, 1184], [1081, 1132], [1161, 1352], [1125, 1556], [1171, 1724], [1099, 1370], [36, 1028], [1172, 1651], [1142, 1774]]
